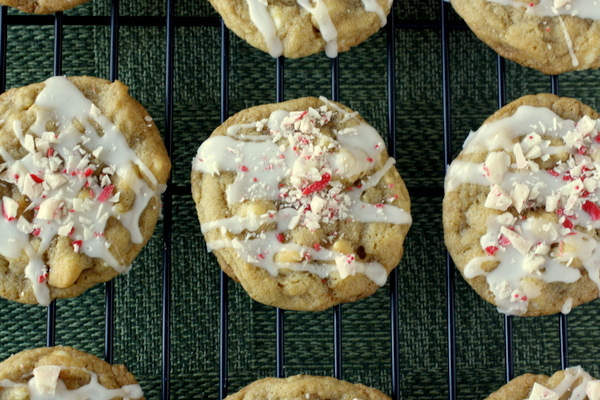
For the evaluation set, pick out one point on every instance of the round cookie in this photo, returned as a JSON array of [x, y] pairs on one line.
[[301, 203], [521, 210], [552, 36], [305, 387], [63, 372], [82, 168], [570, 383], [42, 6], [299, 28]]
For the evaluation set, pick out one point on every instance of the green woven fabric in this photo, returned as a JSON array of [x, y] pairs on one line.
[[366, 340]]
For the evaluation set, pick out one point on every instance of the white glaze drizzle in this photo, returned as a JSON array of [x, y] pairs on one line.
[[57, 169], [540, 247], [556, 8], [296, 149], [92, 390], [571, 375], [264, 22]]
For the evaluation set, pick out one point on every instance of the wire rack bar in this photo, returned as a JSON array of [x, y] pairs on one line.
[[109, 317], [279, 313], [452, 383], [394, 296], [337, 310], [224, 283], [168, 205], [508, 322]]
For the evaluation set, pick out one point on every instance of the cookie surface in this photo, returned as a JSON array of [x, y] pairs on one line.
[[299, 28], [305, 387], [521, 211], [63, 372], [42, 6], [570, 382], [301, 203], [552, 36], [82, 169]]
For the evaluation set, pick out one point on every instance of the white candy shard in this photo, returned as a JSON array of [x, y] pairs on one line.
[[48, 208], [46, 378], [532, 262], [498, 199], [566, 308], [519, 194], [585, 125], [519, 156], [593, 390], [552, 202], [519, 242], [495, 166], [539, 392], [9, 208]]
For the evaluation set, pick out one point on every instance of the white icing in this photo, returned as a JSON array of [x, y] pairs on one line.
[[55, 388], [266, 25], [64, 167], [540, 246], [588, 9], [298, 168]]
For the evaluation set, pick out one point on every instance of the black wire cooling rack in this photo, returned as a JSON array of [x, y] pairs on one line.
[[170, 22]]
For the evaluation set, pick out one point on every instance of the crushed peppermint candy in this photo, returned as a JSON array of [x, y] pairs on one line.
[[544, 214], [315, 175], [66, 179]]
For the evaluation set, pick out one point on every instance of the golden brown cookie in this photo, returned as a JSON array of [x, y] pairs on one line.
[[42, 6], [82, 168], [301, 203], [521, 210], [305, 387], [553, 36], [299, 28], [568, 384], [63, 372]]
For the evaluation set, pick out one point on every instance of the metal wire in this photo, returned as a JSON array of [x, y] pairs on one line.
[[168, 204]]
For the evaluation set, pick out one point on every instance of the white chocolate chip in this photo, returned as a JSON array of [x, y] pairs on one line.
[[9, 208], [48, 208], [532, 262], [552, 202], [46, 378], [519, 156]]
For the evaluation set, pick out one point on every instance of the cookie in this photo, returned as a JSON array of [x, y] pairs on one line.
[[299, 28], [572, 383], [301, 203], [552, 36], [82, 168], [64, 373], [42, 6], [305, 387], [521, 211]]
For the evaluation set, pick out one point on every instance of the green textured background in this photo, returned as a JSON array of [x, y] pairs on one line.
[[308, 336]]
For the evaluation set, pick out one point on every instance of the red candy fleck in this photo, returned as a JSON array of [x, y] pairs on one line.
[[491, 250], [280, 237], [592, 209], [255, 179], [106, 193], [317, 246], [76, 244], [567, 177], [369, 159], [581, 150], [585, 193], [36, 178], [50, 152], [524, 298], [567, 224], [36, 232], [597, 139], [88, 172], [317, 186], [42, 278], [552, 172], [503, 241], [378, 205], [244, 168], [260, 256]]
